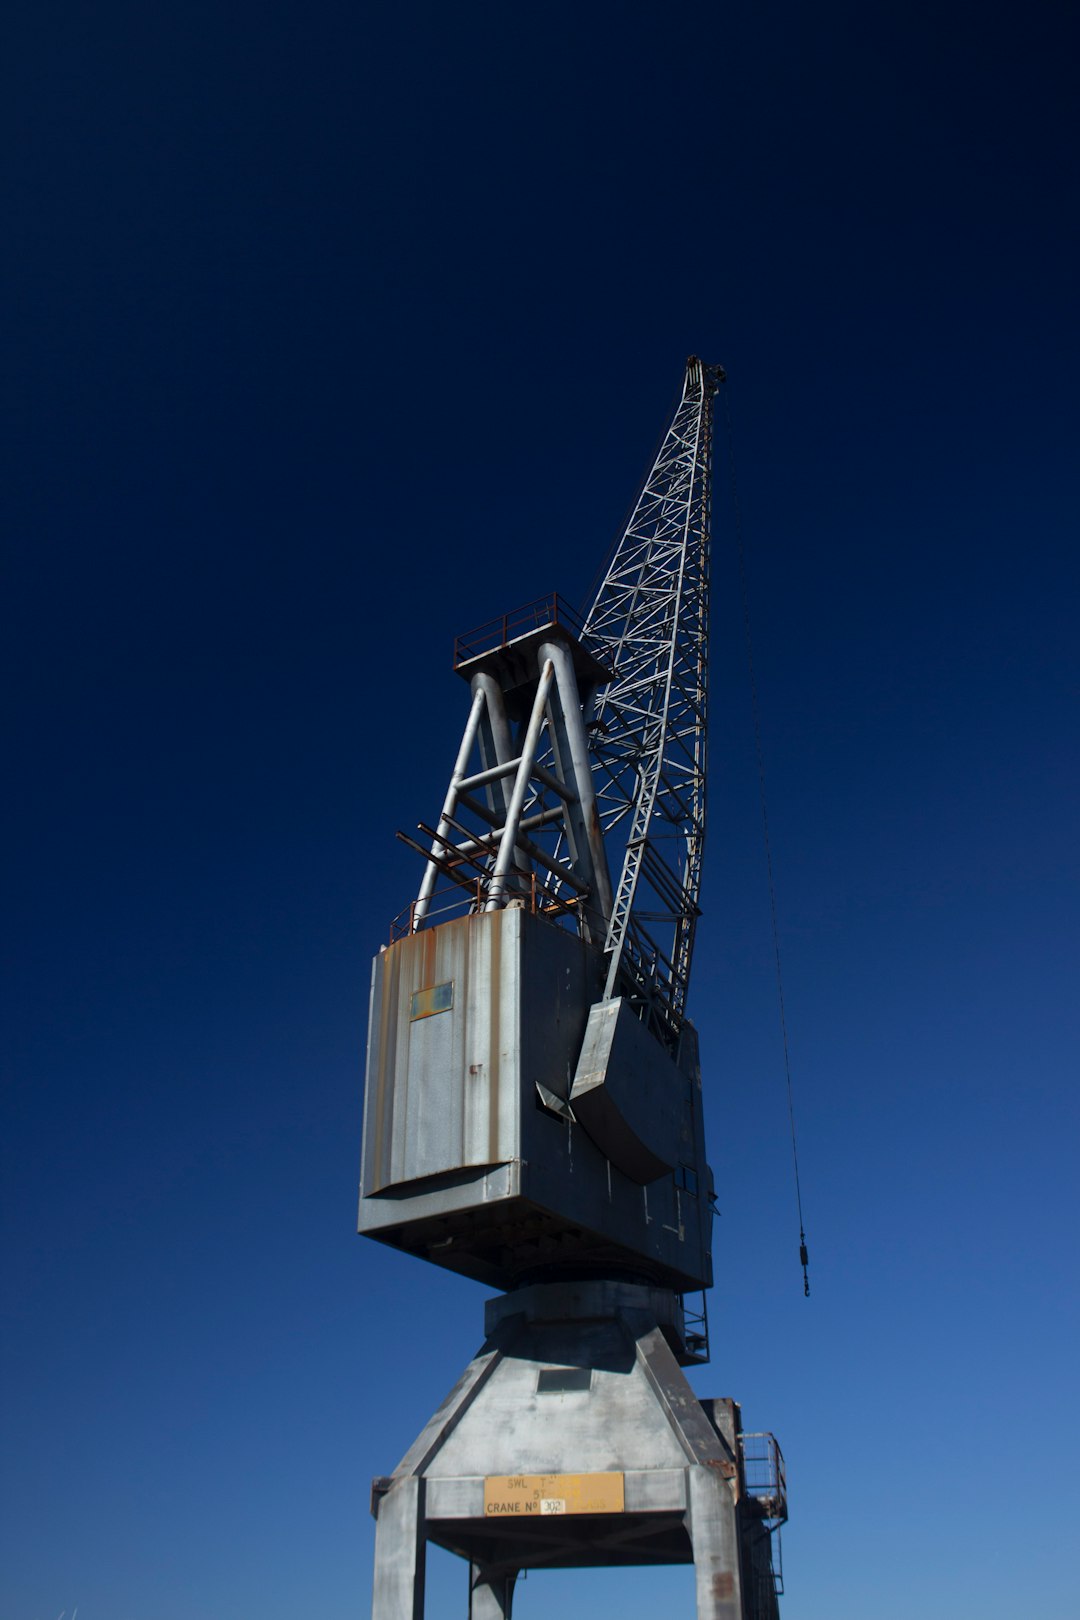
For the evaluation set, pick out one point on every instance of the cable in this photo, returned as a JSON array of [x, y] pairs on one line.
[[804, 1257]]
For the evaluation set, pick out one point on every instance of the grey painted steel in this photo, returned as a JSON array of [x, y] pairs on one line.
[[630, 1412], [650, 621], [496, 745], [535, 682], [472, 727], [497, 888], [491, 1595], [400, 1543], [571, 751], [710, 1522], [572, 1300], [463, 1162], [628, 1095]]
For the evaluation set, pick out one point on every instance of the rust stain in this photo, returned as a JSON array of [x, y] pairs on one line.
[[460, 954], [387, 1045], [495, 920], [723, 1586]]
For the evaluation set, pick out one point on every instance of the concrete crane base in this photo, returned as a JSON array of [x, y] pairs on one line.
[[572, 1439]]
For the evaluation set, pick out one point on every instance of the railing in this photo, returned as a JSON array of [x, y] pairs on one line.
[[696, 1328], [551, 609], [764, 1475], [469, 895]]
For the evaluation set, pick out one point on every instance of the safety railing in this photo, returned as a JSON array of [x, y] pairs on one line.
[[496, 633], [469, 895], [764, 1476]]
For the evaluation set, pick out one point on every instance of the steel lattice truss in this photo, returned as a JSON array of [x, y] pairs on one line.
[[649, 622]]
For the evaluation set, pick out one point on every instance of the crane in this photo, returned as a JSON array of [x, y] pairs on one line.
[[533, 1099]]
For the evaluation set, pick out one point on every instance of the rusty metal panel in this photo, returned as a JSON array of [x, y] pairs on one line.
[[442, 1087], [466, 1020], [476, 1030]]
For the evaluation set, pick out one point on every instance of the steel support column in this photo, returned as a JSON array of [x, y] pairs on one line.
[[491, 1595], [400, 1548], [710, 1520]]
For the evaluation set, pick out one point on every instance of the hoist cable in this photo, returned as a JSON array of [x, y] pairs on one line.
[[804, 1258]]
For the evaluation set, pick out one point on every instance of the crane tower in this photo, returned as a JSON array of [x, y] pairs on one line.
[[533, 1096]]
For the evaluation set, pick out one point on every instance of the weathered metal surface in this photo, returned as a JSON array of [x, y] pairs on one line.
[[634, 1102], [507, 997], [491, 1592], [621, 1466], [537, 825], [400, 1542], [714, 1531], [435, 1101], [579, 1300], [570, 755], [463, 1163]]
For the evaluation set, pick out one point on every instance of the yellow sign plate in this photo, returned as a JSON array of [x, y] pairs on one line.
[[521, 1495]]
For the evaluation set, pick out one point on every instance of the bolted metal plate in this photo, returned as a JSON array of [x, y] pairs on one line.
[[536, 1495], [473, 1157], [629, 1096]]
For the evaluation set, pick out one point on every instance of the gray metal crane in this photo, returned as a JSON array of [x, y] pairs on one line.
[[533, 1100]]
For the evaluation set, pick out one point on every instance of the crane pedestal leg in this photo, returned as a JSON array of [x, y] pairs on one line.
[[572, 1439], [710, 1522], [400, 1546], [491, 1595]]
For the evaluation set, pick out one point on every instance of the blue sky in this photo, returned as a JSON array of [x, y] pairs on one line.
[[330, 334]]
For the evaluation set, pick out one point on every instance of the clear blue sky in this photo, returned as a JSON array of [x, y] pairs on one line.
[[332, 331]]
